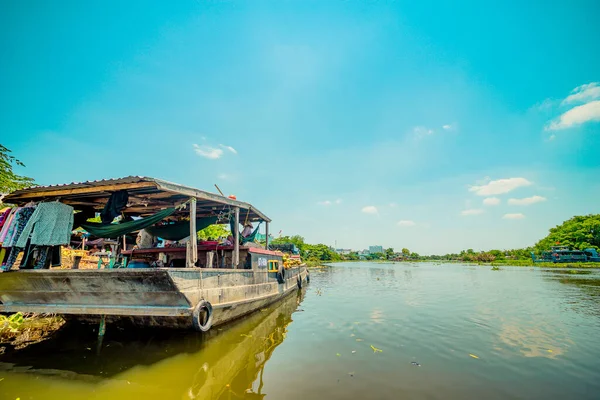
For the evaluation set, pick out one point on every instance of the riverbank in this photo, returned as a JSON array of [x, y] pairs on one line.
[[18, 331]]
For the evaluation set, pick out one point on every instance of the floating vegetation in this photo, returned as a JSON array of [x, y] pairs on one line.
[[245, 335], [376, 350], [414, 363], [473, 356], [494, 268], [359, 340], [338, 354]]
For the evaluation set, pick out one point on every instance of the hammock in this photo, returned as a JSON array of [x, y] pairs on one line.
[[250, 237], [113, 231], [180, 230]]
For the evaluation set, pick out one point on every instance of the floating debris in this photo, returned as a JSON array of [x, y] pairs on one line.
[[550, 351], [353, 351], [351, 373], [416, 364], [474, 356], [376, 350], [359, 340], [352, 335], [244, 335], [338, 354]]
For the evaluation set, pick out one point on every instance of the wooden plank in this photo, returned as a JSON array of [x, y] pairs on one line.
[[76, 191]]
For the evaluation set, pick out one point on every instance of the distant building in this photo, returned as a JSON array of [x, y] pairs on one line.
[[343, 252], [375, 249]]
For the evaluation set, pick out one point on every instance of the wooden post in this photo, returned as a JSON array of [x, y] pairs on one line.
[[193, 236], [267, 236], [236, 238]]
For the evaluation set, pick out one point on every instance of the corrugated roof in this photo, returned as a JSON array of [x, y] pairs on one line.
[[150, 194]]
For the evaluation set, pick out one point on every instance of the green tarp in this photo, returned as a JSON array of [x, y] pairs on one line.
[[180, 230], [249, 238], [113, 231]]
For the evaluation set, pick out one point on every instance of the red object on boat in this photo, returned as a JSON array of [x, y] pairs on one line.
[[232, 197]]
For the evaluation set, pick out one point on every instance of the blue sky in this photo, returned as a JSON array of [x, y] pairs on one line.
[[426, 125]]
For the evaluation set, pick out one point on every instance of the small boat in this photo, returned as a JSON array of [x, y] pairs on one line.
[[562, 254], [183, 284]]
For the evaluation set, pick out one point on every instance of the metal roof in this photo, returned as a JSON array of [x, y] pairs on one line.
[[146, 196]]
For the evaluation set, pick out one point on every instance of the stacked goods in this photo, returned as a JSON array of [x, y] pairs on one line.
[[290, 262]]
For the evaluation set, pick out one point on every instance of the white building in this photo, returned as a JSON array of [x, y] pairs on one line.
[[375, 249]]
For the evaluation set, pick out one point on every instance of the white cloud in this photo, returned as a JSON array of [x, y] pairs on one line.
[[514, 216], [421, 131], [324, 203], [449, 127], [224, 177], [526, 201], [338, 201], [577, 116], [552, 137], [231, 149], [208, 152], [499, 186], [369, 210], [472, 211], [393, 205], [406, 223], [491, 201], [584, 93]]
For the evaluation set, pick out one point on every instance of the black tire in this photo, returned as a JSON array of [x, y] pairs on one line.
[[198, 325], [299, 281], [307, 277], [281, 274]]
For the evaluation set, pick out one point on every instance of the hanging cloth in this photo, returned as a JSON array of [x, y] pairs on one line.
[[180, 230], [116, 203], [50, 225], [249, 238], [113, 231]]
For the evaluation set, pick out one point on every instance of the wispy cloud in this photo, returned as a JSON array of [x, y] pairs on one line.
[[449, 127], [209, 152], [584, 93], [499, 186], [369, 210], [472, 211], [514, 216], [552, 137], [576, 116], [422, 131], [329, 202], [526, 201], [393, 205], [491, 201], [406, 223], [224, 177], [231, 149]]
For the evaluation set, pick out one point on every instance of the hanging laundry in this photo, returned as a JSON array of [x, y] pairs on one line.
[[4, 216], [116, 203], [7, 224], [50, 225], [17, 226]]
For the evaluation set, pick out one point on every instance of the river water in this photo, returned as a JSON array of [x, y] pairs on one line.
[[357, 331]]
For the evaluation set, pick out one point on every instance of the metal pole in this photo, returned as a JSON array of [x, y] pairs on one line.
[[267, 236], [193, 236], [236, 238]]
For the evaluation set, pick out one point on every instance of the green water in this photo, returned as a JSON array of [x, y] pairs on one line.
[[535, 333]]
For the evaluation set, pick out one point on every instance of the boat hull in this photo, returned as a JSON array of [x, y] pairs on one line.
[[148, 297]]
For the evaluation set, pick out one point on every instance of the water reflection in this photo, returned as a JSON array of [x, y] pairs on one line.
[[221, 365]]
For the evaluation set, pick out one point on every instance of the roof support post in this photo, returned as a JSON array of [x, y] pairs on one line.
[[267, 235], [236, 238], [193, 256]]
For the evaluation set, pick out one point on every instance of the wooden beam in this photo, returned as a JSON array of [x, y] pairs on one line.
[[75, 191], [236, 238], [193, 236]]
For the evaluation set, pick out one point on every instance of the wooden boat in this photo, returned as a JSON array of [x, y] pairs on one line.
[[562, 254], [196, 286]]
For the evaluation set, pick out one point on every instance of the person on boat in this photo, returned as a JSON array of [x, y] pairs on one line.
[[248, 228], [228, 241]]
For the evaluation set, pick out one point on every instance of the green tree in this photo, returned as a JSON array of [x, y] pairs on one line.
[[213, 232], [405, 252], [579, 232], [389, 253], [9, 180]]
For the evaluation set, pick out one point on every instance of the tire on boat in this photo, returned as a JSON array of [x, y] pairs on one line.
[[307, 277], [299, 281], [281, 274], [203, 305]]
